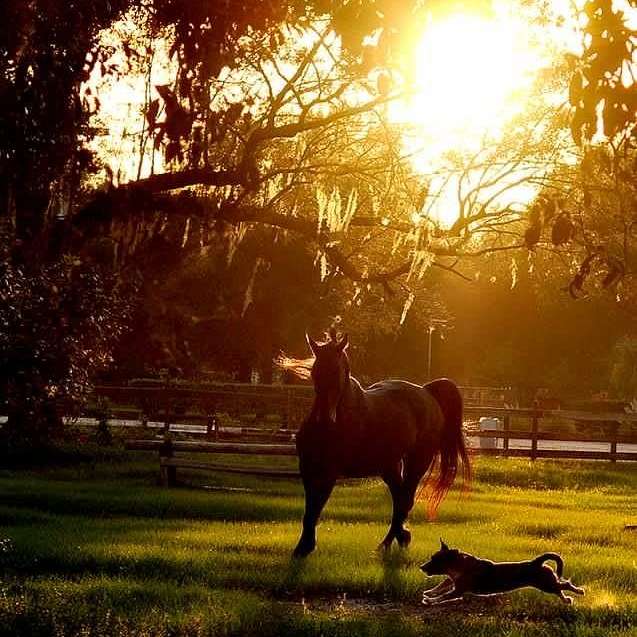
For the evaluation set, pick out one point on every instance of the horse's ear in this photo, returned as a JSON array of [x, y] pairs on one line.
[[314, 346], [343, 343], [443, 546]]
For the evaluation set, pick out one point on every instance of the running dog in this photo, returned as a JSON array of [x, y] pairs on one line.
[[468, 574]]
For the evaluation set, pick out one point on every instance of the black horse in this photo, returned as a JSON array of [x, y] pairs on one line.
[[393, 429]]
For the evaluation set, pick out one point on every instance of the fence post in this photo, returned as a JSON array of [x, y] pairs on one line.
[[168, 403], [534, 431], [212, 426], [167, 473], [288, 409], [613, 443], [505, 442]]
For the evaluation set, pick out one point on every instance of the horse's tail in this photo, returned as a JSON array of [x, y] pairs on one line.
[[452, 452], [540, 559]]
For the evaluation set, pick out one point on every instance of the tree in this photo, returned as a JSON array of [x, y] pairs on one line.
[[58, 328], [311, 153], [604, 74]]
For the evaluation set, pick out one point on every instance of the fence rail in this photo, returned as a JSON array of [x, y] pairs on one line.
[[276, 412], [610, 429], [179, 402], [169, 462]]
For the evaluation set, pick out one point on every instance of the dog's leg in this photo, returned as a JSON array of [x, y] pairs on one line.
[[567, 585], [449, 596], [440, 588], [565, 598]]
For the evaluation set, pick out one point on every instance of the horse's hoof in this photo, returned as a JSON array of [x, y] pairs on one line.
[[303, 550], [404, 538]]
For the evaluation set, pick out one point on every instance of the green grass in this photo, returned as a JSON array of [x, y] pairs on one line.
[[98, 548]]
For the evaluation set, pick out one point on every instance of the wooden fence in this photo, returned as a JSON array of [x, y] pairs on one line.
[[575, 428], [613, 430], [262, 420], [285, 404], [188, 402]]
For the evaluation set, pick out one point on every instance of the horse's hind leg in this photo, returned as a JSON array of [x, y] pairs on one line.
[[316, 495], [393, 478], [415, 469]]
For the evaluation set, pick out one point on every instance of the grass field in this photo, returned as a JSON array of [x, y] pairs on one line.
[[98, 549]]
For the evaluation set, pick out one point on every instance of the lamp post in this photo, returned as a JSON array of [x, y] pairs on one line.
[[430, 331]]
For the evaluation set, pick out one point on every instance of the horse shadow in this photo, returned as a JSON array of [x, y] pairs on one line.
[[394, 564]]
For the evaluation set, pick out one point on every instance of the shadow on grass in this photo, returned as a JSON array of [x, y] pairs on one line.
[[293, 575], [394, 563]]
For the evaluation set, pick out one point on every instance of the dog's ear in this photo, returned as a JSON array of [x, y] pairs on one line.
[[443, 546]]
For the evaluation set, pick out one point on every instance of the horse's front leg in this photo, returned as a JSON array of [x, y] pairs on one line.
[[316, 495], [393, 479]]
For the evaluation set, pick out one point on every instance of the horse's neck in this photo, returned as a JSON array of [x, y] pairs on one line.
[[351, 399]]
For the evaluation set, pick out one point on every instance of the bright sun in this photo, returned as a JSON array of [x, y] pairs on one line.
[[471, 75], [466, 68]]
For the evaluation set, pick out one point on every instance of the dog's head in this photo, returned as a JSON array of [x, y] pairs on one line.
[[441, 562]]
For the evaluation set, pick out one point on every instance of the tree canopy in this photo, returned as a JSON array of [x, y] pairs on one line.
[[283, 116]]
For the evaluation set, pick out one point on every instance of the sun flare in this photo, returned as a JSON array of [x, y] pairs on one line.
[[466, 70], [471, 75]]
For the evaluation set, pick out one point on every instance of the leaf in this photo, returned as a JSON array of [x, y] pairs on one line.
[[165, 91], [616, 272], [350, 209], [184, 239], [370, 58], [151, 113], [324, 267], [248, 298], [159, 136], [178, 122], [185, 84], [408, 303], [575, 287], [563, 229], [514, 273], [384, 84], [173, 151], [575, 89], [532, 236], [422, 197], [577, 123], [536, 211], [321, 200]]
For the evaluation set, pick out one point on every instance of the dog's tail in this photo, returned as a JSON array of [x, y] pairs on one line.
[[551, 556]]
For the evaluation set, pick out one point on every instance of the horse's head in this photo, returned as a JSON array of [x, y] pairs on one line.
[[330, 374]]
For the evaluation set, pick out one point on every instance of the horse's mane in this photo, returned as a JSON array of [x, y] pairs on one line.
[[300, 367]]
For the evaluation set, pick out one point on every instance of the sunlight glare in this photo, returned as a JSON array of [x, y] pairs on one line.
[[470, 76], [465, 68]]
